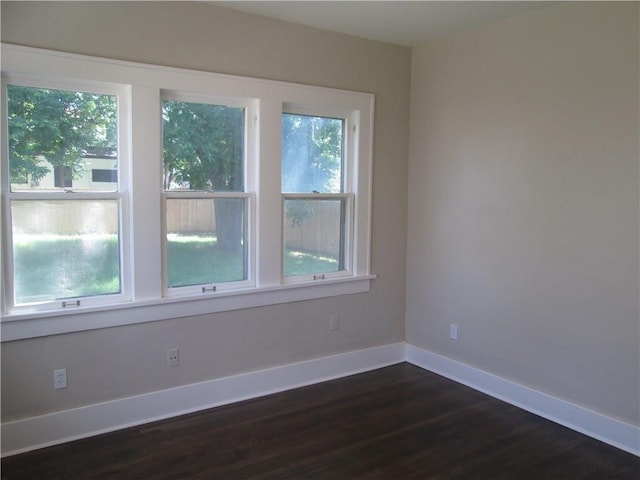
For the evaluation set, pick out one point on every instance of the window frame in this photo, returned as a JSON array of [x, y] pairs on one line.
[[121, 195], [143, 213], [347, 185], [247, 194]]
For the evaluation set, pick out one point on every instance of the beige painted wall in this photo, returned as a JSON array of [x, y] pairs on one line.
[[524, 202], [118, 362]]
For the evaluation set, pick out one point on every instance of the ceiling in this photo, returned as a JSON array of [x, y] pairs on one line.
[[407, 23]]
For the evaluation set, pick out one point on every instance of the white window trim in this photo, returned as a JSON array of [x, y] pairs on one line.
[[147, 84]]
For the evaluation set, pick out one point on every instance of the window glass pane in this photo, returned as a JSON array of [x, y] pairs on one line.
[[56, 138], [203, 147], [65, 249], [311, 154], [313, 236], [206, 241]]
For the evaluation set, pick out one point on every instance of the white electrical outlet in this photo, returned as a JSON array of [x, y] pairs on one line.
[[60, 378], [172, 357], [334, 323], [453, 331]]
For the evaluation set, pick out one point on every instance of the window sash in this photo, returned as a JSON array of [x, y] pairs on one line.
[[248, 137], [343, 185], [346, 247], [66, 303], [209, 288]]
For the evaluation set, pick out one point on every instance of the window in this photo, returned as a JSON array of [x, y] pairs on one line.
[[136, 193], [63, 175], [203, 151], [101, 175], [65, 240], [315, 205]]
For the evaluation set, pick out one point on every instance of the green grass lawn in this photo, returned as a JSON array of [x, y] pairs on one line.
[[194, 260], [57, 266], [64, 266]]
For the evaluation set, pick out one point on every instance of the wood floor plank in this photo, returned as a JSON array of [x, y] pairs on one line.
[[399, 422]]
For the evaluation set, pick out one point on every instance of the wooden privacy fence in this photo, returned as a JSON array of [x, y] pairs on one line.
[[319, 233], [59, 217]]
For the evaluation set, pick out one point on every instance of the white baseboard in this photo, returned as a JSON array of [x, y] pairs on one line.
[[59, 427], [596, 425]]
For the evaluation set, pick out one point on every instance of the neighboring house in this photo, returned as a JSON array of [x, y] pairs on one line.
[[99, 172]]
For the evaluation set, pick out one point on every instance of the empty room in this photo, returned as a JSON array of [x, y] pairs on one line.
[[324, 240]]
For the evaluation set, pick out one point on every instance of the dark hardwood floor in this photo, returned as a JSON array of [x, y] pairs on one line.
[[399, 422]]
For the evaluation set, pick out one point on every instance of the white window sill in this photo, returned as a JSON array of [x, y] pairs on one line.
[[41, 324]]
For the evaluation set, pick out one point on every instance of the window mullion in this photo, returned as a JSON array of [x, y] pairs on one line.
[[269, 207], [146, 169]]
